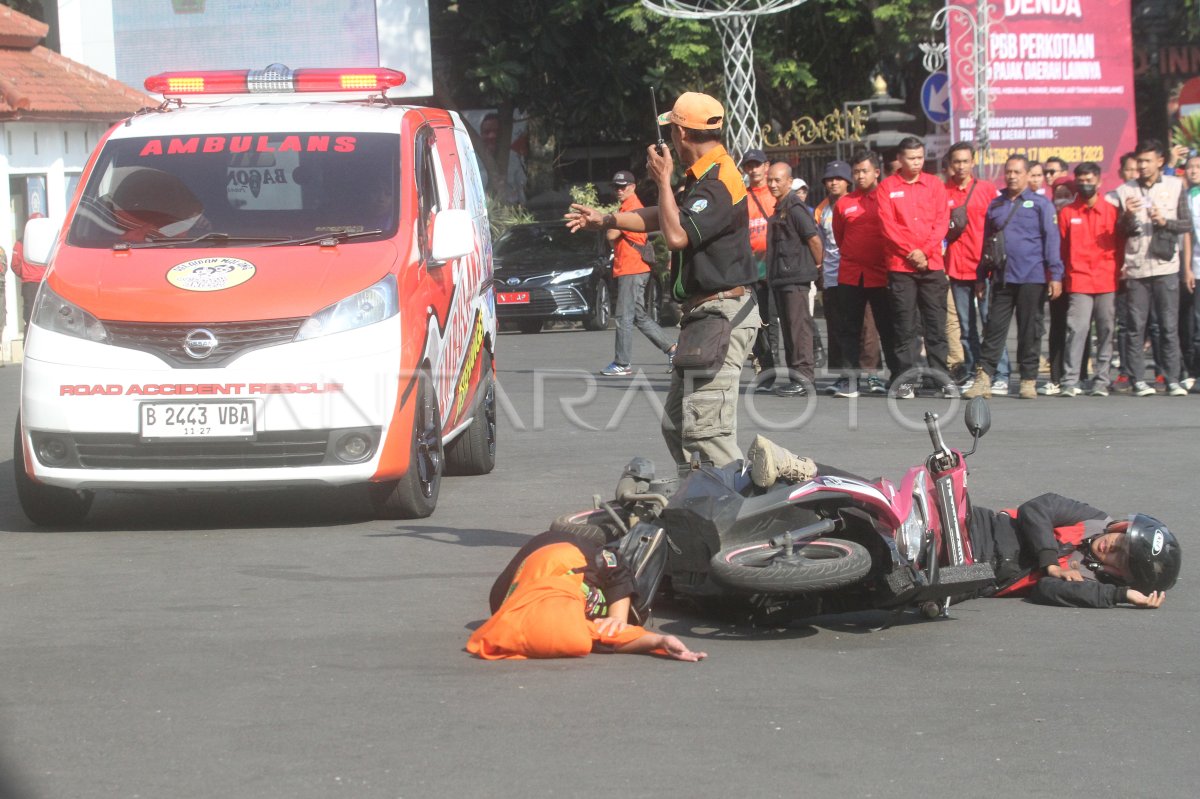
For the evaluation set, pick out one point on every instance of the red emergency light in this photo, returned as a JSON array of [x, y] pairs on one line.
[[275, 79]]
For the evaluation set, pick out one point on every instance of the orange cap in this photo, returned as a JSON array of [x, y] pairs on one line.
[[695, 111]]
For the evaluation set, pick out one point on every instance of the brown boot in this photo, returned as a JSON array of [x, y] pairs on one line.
[[1028, 389], [770, 462], [982, 387]]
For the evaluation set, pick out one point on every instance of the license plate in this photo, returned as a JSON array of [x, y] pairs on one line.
[[512, 297], [197, 420]]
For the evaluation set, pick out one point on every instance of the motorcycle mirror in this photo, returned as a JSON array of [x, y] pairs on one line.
[[978, 417]]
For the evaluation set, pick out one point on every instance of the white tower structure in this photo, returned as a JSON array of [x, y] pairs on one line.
[[735, 20]]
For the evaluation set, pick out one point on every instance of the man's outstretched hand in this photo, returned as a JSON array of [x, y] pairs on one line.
[[580, 217], [1139, 600]]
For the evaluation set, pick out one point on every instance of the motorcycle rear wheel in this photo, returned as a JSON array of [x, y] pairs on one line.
[[593, 526], [761, 567]]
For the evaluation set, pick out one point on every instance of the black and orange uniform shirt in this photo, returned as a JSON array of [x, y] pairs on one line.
[[713, 212], [627, 249]]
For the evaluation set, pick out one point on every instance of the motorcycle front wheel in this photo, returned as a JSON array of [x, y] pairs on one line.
[[764, 567]]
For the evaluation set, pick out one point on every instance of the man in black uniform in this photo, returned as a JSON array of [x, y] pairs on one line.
[[1058, 551], [707, 228]]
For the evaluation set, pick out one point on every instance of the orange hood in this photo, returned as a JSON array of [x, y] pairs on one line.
[[282, 282]]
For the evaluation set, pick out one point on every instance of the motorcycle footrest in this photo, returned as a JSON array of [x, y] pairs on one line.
[[969, 578]]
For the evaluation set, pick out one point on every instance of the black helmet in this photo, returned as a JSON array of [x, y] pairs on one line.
[[1154, 554]]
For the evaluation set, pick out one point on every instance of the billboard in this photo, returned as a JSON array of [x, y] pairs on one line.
[[132, 39], [1060, 79]]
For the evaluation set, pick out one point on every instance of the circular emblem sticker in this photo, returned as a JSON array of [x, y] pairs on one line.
[[699, 205], [210, 274]]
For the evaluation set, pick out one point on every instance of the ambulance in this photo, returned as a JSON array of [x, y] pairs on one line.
[[277, 278]]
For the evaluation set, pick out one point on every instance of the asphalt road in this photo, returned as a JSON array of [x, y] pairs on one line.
[[287, 645]]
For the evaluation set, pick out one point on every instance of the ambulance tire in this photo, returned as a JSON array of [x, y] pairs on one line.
[[47, 506], [415, 495], [530, 325], [474, 451]]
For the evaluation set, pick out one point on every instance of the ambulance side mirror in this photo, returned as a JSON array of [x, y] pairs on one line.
[[39, 238], [453, 236]]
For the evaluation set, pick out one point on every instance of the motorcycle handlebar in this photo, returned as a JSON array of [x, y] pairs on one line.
[[935, 432]]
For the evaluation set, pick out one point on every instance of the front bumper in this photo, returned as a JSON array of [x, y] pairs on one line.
[[306, 398]]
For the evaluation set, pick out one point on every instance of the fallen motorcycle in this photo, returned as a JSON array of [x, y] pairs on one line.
[[834, 543]]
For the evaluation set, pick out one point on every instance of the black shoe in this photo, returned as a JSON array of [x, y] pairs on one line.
[[766, 386], [792, 390], [843, 388]]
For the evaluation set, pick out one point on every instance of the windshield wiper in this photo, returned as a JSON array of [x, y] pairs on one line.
[[333, 235], [214, 236]]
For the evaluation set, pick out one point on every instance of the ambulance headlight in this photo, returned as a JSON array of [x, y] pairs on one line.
[[371, 305], [54, 313]]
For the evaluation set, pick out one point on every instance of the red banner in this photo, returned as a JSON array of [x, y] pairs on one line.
[[1059, 76]]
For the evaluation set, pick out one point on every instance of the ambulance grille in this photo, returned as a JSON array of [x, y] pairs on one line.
[[270, 450], [233, 339]]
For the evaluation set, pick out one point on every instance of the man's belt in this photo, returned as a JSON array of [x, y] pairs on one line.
[[725, 294]]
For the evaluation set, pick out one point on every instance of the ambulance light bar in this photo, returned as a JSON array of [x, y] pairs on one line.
[[275, 79]]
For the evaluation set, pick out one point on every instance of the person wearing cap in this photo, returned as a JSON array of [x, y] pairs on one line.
[[707, 228], [800, 187], [632, 256], [837, 180], [915, 218], [762, 206]]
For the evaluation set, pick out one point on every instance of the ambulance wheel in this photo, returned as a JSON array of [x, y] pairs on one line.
[[47, 506], [597, 319], [474, 451], [762, 567], [414, 496], [592, 526]]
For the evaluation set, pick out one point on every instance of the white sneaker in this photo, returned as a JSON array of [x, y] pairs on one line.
[[1000, 387], [1049, 389], [1098, 391], [1143, 389], [1070, 391], [1188, 382], [1176, 390]]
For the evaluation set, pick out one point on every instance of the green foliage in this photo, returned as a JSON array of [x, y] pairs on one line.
[[501, 217], [586, 194], [1187, 132]]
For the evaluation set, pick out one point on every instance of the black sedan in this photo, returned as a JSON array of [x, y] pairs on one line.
[[545, 273]]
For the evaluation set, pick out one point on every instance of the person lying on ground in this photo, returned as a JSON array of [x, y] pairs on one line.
[[563, 597]]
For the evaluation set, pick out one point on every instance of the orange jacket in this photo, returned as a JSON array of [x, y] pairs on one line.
[[627, 254]]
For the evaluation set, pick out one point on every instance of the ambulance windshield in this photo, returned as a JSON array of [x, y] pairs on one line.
[[215, 190]]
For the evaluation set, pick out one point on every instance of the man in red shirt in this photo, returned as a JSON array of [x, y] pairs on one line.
[[762, 207], [632, 271], [862, 275], [1092, 253], [915, 218], [964, 244]]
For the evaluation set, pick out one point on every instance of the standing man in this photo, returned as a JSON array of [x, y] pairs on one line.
[[1092, 251], [1037, 180], [762, 205], [863, 277], [964, 244], [1158, 226], [712, 272], [632, 256], [1192, 170], [793, 252], [915, 218], [1032, 266], [837, 185]]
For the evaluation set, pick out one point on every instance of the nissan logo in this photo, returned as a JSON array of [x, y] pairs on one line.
[[200, 344]]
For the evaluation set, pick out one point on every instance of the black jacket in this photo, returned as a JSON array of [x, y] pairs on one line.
[[1046, 529], [789, 261]]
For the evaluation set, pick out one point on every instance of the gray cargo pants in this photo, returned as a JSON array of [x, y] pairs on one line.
[[701, 412]]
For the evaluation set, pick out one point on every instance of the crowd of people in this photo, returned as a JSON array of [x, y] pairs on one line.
[[923, 274]]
